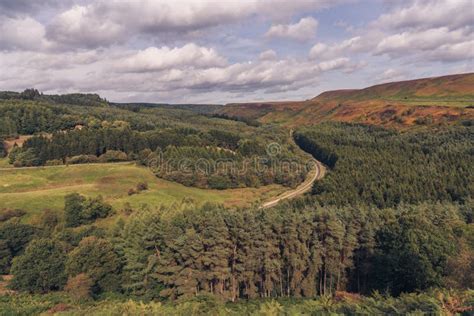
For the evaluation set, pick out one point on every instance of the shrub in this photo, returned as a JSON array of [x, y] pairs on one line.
[[25, 158], [82, 159], [142, 186], [73, 209], [113, 156], [41, 268], [79, 287], [79, 210], [17, 236]]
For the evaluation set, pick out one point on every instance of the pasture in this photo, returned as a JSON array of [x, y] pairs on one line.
[[37, 189]]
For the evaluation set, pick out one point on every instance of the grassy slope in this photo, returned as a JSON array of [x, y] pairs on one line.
[[44, 188], [444, 99]]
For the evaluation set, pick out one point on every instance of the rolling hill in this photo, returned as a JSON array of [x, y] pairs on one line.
[[37, 189], [399, 104]]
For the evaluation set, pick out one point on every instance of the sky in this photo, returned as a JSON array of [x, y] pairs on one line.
[[211, 51]]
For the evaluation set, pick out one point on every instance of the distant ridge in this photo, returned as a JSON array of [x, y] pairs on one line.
[[444, 99], [460, 87]]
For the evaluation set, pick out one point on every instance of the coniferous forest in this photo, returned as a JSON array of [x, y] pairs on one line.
[[387, 230]]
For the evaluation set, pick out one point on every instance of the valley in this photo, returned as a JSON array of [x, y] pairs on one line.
[[241, 207], [247, 158]]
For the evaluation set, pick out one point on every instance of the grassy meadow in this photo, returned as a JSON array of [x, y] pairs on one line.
[[37, 189]]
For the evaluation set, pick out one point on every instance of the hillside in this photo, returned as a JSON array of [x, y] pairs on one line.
[[453, 88], [399, 104], [37, 189], [82, 99]]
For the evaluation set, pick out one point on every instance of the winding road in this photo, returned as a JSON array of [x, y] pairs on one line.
[[317, 172]]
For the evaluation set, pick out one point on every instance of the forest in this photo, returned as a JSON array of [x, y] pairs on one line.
[[285, 252], [388, 230], [212, 152], [376, 166]]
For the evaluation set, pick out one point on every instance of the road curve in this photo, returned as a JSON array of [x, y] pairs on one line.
[[317, 172]]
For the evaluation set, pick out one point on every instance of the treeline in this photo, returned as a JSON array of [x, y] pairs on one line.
[[206, 109], [90, 141], [29, 118], [235, 254], [31, 112], [376, 166], [246, 120], [207, 159], [23, 117], [83, 99]]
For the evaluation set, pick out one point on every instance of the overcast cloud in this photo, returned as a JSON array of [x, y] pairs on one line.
[[227, 51]]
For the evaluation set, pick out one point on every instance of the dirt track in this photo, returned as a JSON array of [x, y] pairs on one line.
[[317, 172]]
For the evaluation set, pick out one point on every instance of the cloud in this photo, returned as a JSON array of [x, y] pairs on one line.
[[463, 51], [103, 23], [424, 30], [304, 30], [81, 26], [21, 33], [268, 55], [155, 59], [13, 8], [329, 51], [173, 71], [206, 48], [334, 64], [391, 75], [425, 14], [427, 40]]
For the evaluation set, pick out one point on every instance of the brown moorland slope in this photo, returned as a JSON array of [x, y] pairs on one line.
[[399, 104]]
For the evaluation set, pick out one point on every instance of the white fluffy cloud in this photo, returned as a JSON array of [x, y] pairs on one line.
[[191, 68], [425, 41], [156, 59], [21, 33], [268, 55], [176, 48], [80, 26], [304, 30], [437, 30], [431, 30], [425, 14], [102, 23], [323, 51]]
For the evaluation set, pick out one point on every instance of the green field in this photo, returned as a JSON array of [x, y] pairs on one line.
[[37, 189]]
